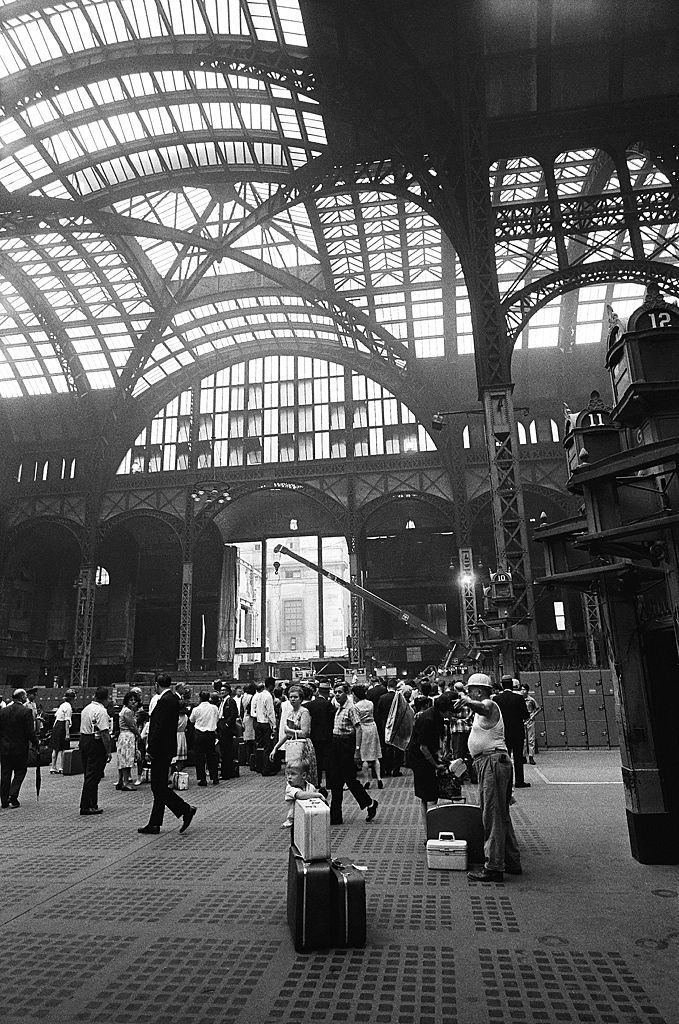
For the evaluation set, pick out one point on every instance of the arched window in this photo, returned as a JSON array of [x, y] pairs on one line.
[[45, 469], [555, 431], [521, 430], [533, 432], [72, 472], [20, 472], [277, 409], [35, 471], [101, 577], [465, 437]]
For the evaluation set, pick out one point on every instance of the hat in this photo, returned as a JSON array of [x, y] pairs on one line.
[[480, 679], [324, 684]]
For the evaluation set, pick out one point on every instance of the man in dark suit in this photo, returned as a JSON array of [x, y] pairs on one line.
[[17, 734], [226, 732], [322, 713], [514, 714], [161, 747], [376, 690]]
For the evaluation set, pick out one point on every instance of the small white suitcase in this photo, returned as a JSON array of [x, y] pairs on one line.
[[447, 853], [312, 829]]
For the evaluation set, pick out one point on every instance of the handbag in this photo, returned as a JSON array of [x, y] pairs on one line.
[[449, 786]]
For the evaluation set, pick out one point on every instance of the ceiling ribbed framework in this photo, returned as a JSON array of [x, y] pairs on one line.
[[170, 188]]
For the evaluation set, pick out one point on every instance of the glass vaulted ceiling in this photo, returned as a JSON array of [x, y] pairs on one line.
[[144, 145]]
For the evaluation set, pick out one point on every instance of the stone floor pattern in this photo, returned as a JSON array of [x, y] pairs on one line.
[[100, 924]]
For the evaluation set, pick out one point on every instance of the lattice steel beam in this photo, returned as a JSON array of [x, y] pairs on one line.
[[468, 609], [583, 214], [69, 360]]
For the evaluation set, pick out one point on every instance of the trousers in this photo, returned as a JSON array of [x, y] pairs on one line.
[[205, 752], [495, 788], [163, 796], [515, 747], [93, 757], [13, 770], [340, 770]]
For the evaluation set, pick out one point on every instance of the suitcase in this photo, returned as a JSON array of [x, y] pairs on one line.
[[253, 762], [309, 914], [242, 756], [42, 757], [261, 760], [311, 823], [464, 820], [447, 853], [347, 906], [73, 764], [235, 771]]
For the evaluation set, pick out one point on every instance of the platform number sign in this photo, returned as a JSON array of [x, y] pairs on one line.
[[657, 319]]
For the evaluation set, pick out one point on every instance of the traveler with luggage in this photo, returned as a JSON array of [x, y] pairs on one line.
[[161, 748], [345, 754], [61, 732], [494, 769], [322, 713], [423, 750]]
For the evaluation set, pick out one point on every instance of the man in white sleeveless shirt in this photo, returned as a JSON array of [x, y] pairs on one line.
[[494, 769]]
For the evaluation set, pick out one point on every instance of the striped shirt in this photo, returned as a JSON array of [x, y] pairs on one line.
[[346, 720]]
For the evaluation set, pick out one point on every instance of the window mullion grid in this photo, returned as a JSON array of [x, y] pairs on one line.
[[280, 35], [234, 99], [365, 256]]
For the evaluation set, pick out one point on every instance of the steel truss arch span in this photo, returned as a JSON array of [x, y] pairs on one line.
[[21, 527], [442, 505], [289, 67], [110, 523], [338, 513], [524, 304]]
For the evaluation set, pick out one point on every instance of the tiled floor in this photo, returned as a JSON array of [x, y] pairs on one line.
[[100, 924]]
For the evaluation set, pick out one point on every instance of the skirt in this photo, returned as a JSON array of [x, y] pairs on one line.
[[426, 782], [59, 741], [182, 749], [370, 743], [126, 749]]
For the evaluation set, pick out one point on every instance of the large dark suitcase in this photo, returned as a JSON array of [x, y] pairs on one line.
[[242, 755], [42, 757], [464, 820], [253, 762], [73, 764], [309, 915], [262, 763], [347, 907]]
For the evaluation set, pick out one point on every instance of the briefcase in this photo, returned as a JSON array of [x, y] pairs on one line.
[[312, 828], [447, 853]]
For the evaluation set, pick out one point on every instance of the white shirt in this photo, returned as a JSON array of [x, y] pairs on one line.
[[64, 713], [205, 717], [94, 716], [262, 709]]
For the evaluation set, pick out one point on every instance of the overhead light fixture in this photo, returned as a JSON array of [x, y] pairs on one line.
[[410, 525], [293, 525], [437, 421]]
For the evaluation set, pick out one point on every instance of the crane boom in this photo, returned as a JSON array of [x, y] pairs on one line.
[[406, 617]]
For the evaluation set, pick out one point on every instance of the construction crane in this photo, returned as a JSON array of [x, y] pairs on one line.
[[435, 635]]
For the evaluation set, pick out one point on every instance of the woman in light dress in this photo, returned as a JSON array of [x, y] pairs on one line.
[[61, 733], [371, 751], [126, 746], [300, 757]]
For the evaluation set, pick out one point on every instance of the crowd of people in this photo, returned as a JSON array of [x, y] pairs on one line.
[[329, 735]]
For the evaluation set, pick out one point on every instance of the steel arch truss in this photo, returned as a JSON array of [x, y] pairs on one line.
[[520, 307]]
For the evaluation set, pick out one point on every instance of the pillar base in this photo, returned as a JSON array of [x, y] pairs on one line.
[[654, 838]]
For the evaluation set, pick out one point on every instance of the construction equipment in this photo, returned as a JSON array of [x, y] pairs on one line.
[[453, 647]]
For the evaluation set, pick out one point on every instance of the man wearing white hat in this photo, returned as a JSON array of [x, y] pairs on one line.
[[494, 769]]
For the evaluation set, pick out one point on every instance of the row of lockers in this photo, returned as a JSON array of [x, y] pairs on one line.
[[577, 708]]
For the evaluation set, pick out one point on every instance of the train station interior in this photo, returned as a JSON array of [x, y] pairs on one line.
[[340, 339]]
